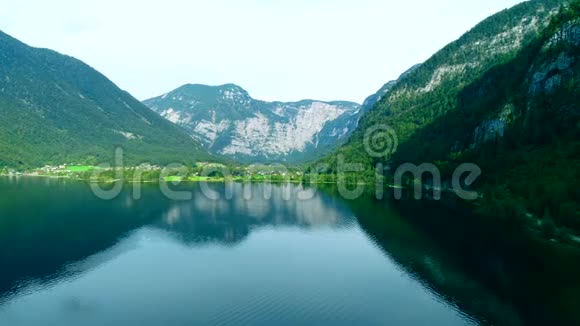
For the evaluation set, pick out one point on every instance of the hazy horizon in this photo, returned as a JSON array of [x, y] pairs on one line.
[[323, 50]]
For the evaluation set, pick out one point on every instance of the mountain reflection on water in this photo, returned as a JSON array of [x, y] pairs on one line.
[[54, 232], [51, 227]]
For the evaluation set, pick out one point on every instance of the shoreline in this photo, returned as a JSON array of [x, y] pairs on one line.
[[564, 233]]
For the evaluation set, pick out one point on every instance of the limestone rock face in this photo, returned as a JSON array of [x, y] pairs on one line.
[[229, 122]]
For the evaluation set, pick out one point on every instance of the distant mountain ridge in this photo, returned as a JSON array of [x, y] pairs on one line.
[[370, 101], [229, 122], [57, 109]]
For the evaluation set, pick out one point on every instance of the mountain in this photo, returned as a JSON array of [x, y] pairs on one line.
[[56, 109], [370, 101], [504, 96], [229, 122]]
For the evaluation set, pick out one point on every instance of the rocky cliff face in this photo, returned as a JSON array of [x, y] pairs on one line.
[[229, 122], [549, 75], [554, 68]]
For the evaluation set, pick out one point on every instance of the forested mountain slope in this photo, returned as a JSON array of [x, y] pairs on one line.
[[56, 109], [505, 96], [372, 100]]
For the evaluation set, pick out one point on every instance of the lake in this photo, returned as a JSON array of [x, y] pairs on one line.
[[266, 256]]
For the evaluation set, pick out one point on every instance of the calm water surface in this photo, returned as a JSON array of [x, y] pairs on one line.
[[69, 258]]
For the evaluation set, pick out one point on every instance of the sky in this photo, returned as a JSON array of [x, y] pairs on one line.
[[282, 50]]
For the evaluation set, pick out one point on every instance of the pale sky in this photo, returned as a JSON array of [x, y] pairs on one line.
[[277, 50]]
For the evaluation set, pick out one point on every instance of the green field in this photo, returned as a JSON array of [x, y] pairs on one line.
[[80, 168]]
